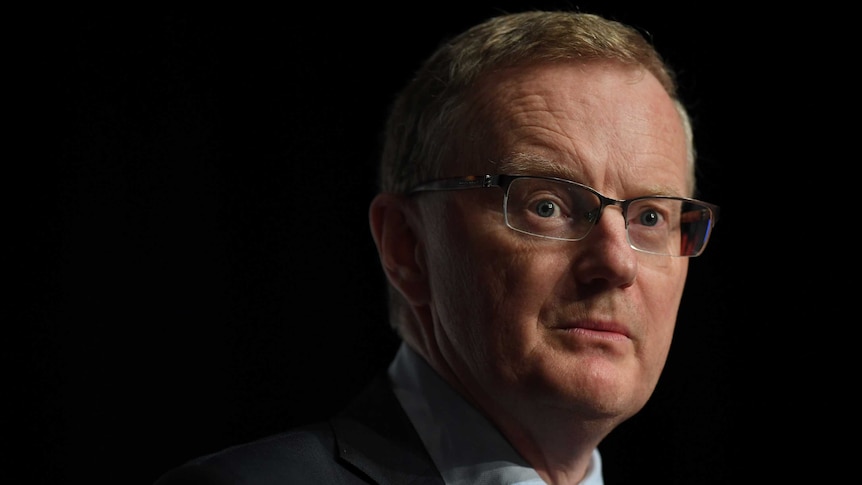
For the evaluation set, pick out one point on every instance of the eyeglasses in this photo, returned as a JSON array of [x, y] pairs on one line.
[[560, 209]]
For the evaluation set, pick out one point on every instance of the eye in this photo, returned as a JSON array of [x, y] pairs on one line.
[[649, 218], [546, 208]]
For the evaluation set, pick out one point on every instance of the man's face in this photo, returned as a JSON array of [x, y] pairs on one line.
[[535, 330]]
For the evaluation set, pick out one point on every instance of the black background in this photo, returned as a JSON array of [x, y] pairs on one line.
[[196, 265]]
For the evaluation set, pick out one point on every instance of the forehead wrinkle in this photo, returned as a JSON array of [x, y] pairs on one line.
[[541, 127], [528, 135], [530, 118], [654, 156]]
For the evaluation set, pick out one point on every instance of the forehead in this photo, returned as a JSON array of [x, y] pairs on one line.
[[597, 122]]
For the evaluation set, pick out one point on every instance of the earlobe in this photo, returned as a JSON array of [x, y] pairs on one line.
[[399, 247]]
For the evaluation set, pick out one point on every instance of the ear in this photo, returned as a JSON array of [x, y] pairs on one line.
[[393, 221]]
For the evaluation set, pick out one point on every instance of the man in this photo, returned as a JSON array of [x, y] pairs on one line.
[[534, 223]]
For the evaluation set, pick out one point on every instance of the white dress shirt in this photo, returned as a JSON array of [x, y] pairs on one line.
[[465, 447]]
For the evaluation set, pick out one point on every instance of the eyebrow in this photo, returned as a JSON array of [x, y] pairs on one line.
[[525, 163], [522, 163]]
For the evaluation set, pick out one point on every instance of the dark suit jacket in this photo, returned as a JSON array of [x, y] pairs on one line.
[[370, 441]]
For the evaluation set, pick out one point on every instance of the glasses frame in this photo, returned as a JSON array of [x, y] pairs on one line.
[[503, 181]]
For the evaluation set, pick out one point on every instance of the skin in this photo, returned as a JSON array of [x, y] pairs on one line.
[[556, 342]]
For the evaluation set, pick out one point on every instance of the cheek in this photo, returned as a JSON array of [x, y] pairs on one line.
[[466, 292], [470, 261], [662, 292], [531, 281], [663, 288], [489, 292], [528, 290], [514, 284]]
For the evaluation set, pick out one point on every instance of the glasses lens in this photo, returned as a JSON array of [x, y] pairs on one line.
[[549, 208], [668, 226]]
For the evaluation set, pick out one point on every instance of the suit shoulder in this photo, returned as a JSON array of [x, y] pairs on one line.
[[302, 455]]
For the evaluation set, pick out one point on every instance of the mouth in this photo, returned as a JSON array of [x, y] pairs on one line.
[[605, 330]]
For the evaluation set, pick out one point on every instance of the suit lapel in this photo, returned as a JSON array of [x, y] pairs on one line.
[[375, 435]]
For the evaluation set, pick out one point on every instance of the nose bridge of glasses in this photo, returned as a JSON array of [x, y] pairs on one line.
[[605, 202]]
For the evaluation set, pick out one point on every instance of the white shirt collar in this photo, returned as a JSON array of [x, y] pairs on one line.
[[477, 454]]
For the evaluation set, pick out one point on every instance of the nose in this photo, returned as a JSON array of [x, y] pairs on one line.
[[605, 253]]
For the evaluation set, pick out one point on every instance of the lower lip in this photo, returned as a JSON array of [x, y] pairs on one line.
[[597, 334]]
